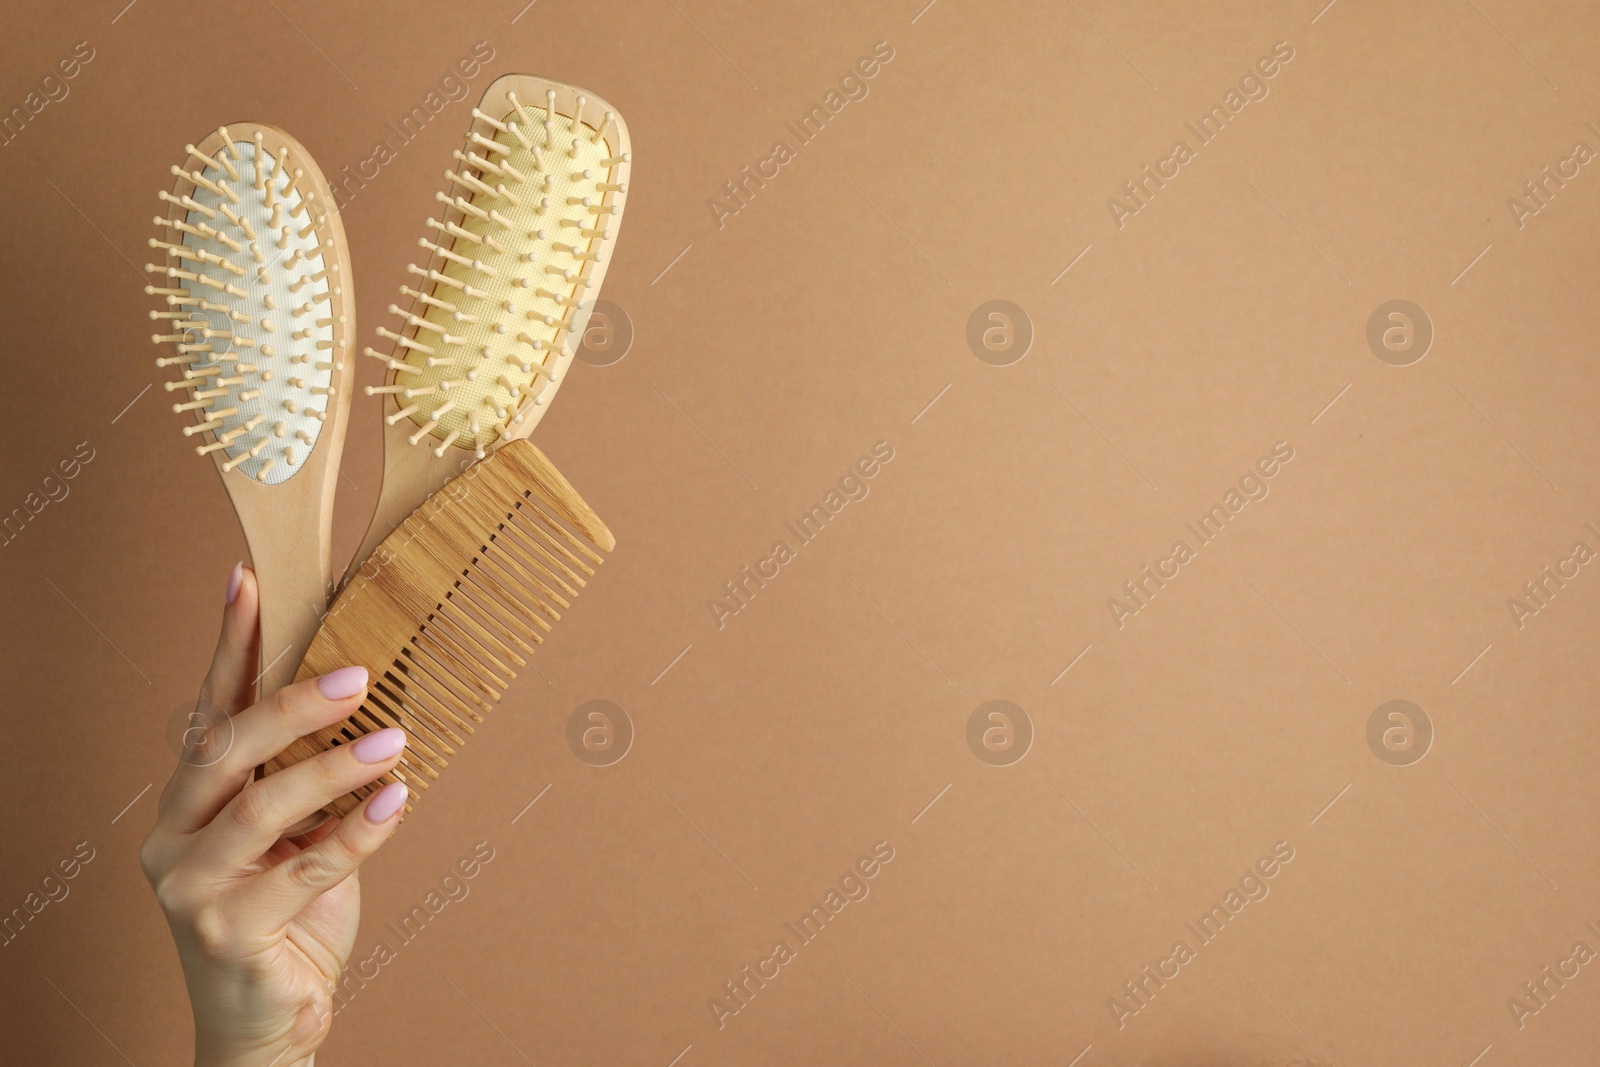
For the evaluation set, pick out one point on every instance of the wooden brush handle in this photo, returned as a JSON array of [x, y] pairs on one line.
[[289, 530], [411, 474]]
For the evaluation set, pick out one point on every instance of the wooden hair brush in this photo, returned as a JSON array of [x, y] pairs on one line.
[[445, 604], [258, 309], [524, 233]]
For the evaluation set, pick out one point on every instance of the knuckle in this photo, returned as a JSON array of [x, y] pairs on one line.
[[250, 809], [171, 894], [283, 702], [150, 859], [212, 933], [323, 866]]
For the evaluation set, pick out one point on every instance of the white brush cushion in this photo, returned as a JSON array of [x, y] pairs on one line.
[[270, 307]]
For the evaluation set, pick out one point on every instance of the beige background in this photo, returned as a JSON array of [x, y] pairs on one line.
[[827, 715]]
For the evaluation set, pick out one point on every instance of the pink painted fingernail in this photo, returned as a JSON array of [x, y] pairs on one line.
[[235, 576], [342, 683], [386, 801], [375, 748]]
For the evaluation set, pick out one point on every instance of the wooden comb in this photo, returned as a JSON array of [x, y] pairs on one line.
[[445, 609]]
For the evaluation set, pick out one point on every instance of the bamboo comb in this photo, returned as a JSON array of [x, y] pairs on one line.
[[258, 309], [444, 612], [497, 309]]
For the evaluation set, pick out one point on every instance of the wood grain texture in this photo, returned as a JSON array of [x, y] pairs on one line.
[[446, 609]]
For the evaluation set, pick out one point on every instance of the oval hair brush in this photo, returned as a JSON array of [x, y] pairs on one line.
[[517, 247], [257, 307], [478, 544]]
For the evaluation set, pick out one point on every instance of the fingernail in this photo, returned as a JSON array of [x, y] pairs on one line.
[[342, 683], [235, 576], [375, 748], [386, 801]]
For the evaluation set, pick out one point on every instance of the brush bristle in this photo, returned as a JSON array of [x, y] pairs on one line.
[[445, 610], [529, 208], [249, 297]]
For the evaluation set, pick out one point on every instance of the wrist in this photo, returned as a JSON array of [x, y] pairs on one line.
[[220, 1054]]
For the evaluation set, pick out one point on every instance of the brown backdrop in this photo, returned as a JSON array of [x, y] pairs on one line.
[[1173, 748]]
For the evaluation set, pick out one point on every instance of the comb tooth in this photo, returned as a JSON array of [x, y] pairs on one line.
[[496, 578], [518, 560], [533, 558], [472, 597], [473, 680], [528, 467], [545, 531], [486, 665], [373, 714], [426, 570], [472, 609], [394, 713], [493, 585], [429, 742], [442, 706], [537, 546], [417, 721], [462, 705]]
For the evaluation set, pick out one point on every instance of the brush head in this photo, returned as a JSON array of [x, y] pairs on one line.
[[444, 612], [252, 281], [516, 251]]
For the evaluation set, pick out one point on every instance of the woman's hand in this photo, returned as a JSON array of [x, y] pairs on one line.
[[264, 923]]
